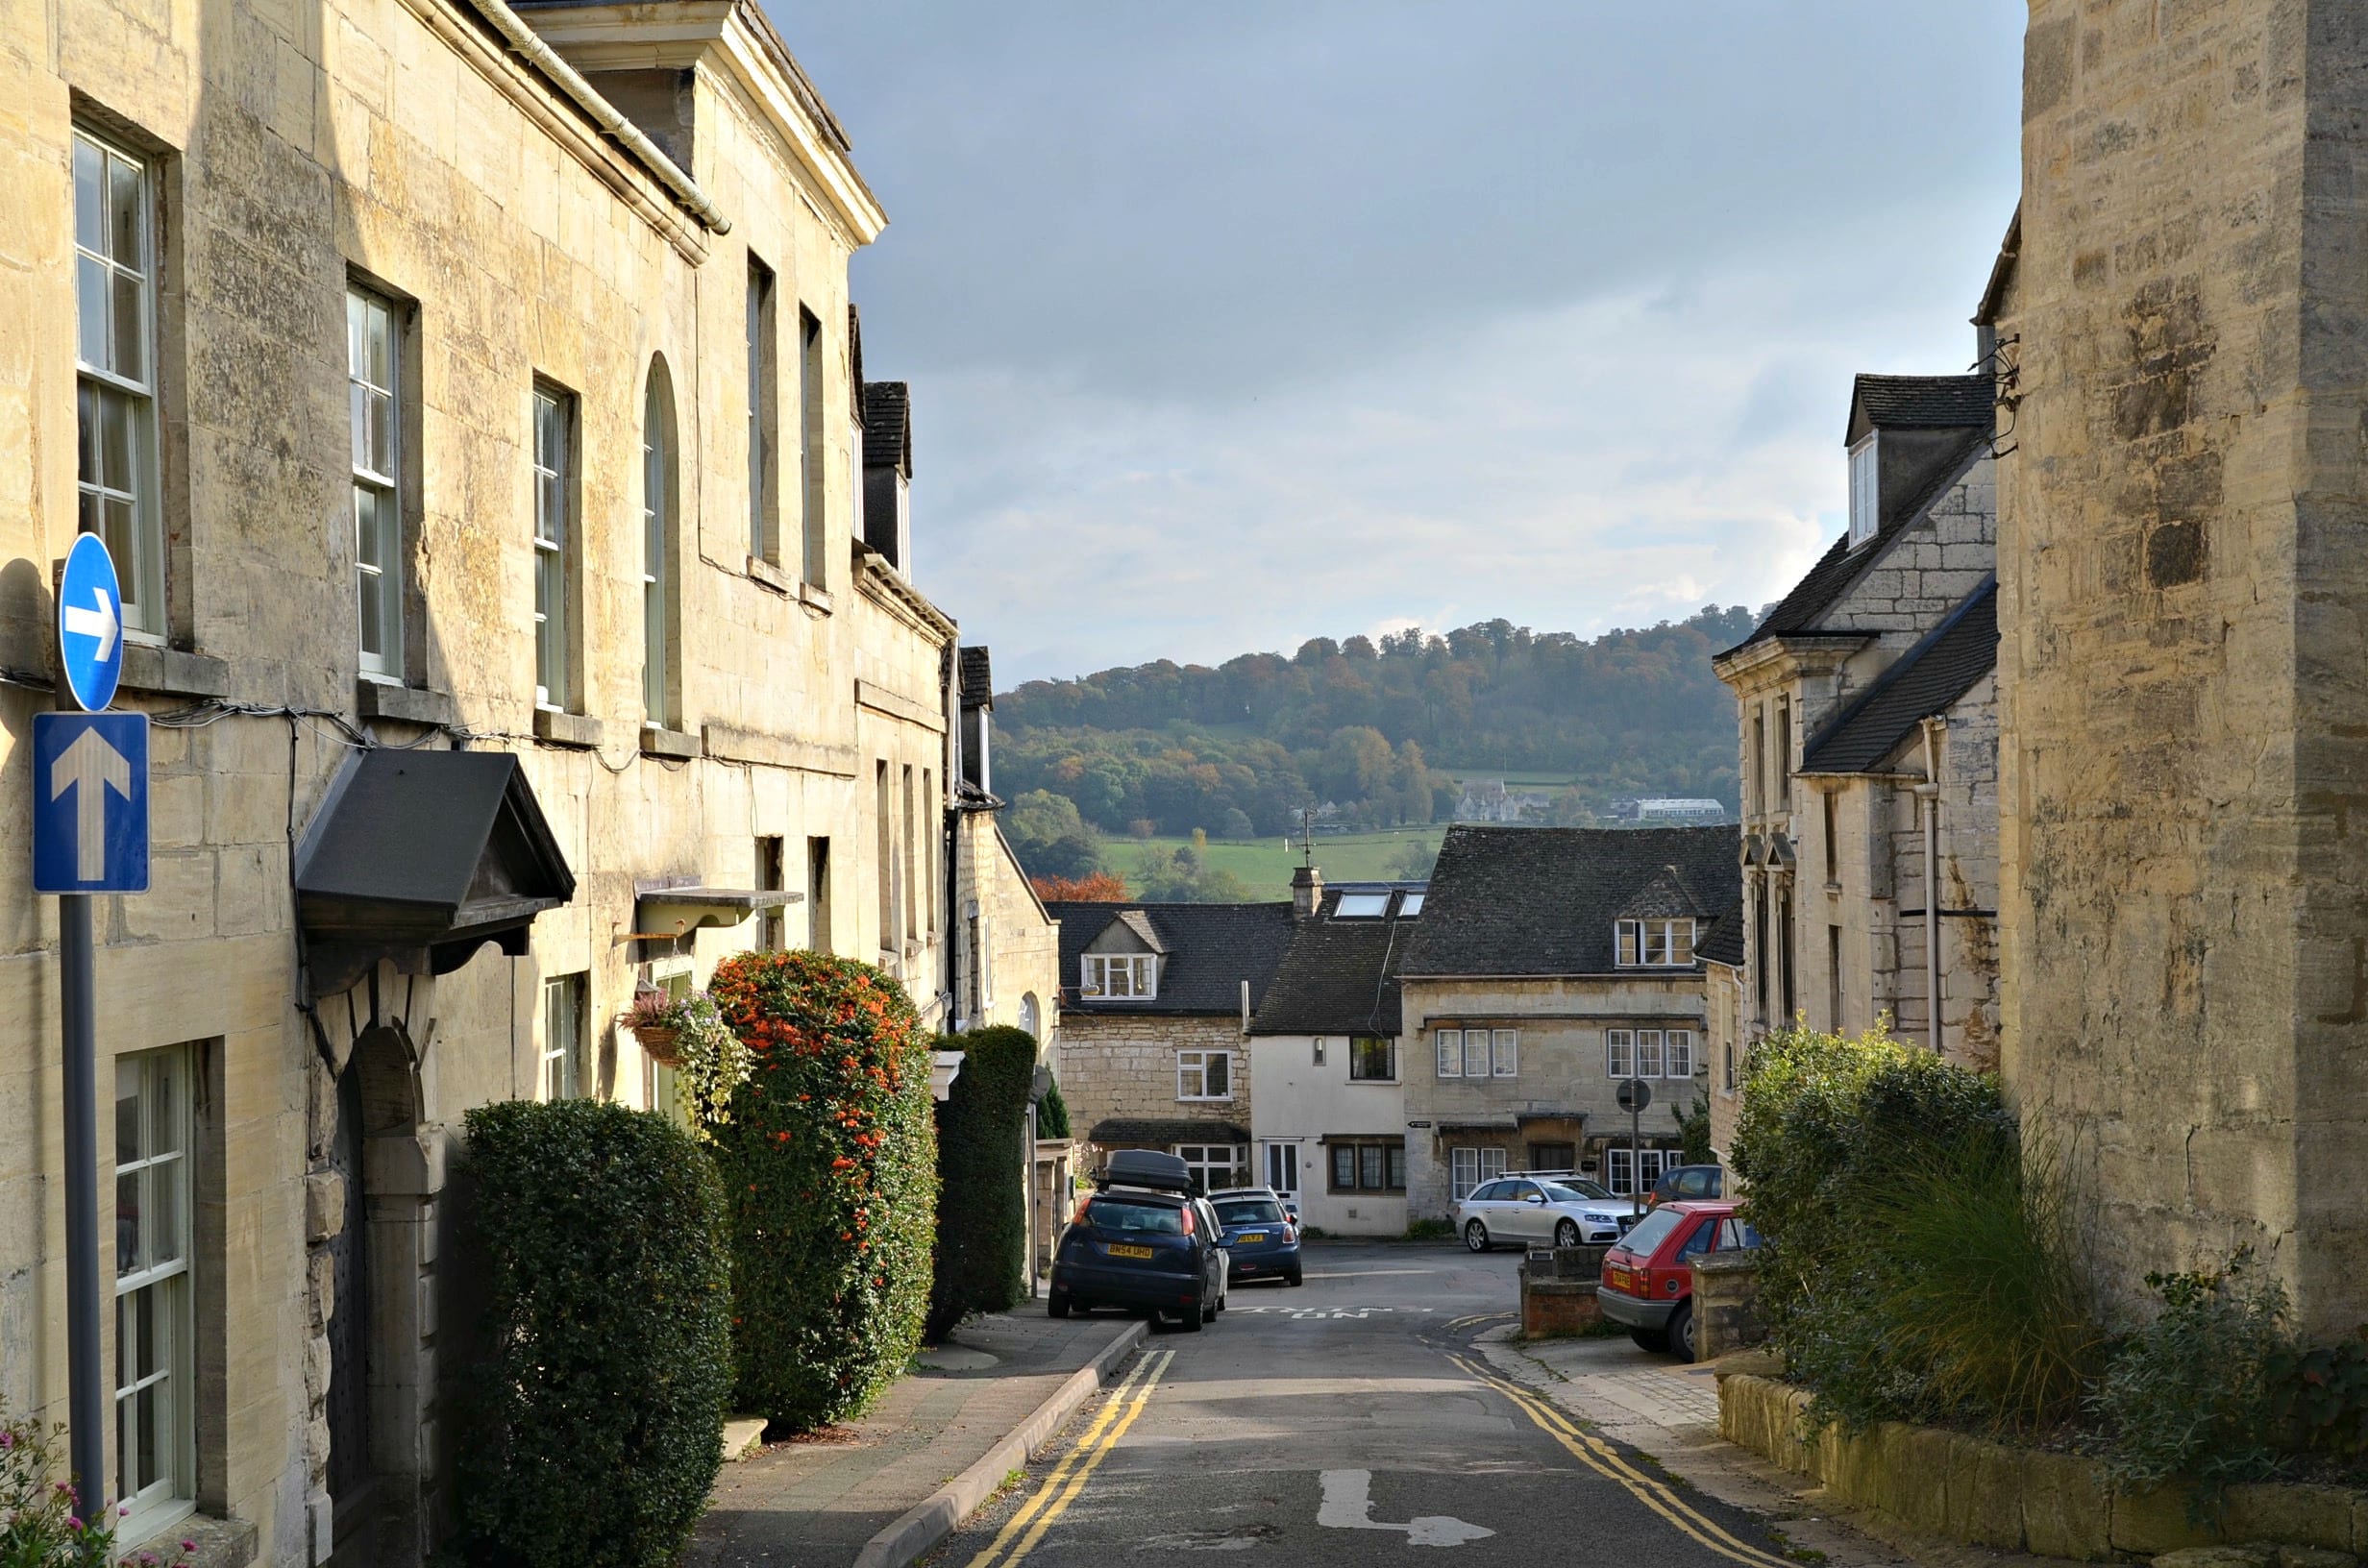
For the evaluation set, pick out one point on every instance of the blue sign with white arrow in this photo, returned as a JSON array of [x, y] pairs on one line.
[[89, 802], [90, 624]]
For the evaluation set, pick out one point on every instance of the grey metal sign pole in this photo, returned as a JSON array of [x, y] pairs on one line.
[[86, 1401]]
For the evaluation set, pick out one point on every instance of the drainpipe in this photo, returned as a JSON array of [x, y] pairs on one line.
[[528, 42], [1928, 794]]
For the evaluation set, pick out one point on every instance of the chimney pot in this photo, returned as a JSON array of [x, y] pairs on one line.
[[1306, 891]]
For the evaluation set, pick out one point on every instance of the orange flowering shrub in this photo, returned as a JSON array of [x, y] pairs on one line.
[[830, 1166]]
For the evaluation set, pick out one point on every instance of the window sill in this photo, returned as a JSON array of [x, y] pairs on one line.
[[1376, 1083], [408, 704], [765, 575], [814, 597], [173, 671], [658, 742], [554, 727], [1204, 1099], [221, 1543]]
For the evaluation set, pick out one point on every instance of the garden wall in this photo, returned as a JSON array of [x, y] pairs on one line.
[[1985, 1493]]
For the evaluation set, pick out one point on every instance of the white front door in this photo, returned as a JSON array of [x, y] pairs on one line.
[[1282, 1169]]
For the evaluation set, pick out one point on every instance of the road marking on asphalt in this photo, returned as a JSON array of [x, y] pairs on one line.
[[1348, 1505], [1301, 1314], [1605, 1460], [1470, 1318], [1076, 1466]]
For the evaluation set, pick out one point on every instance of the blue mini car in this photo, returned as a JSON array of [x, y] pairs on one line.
[[1261, 1238]]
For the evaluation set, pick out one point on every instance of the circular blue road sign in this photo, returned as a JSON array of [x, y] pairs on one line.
[[90, 624]]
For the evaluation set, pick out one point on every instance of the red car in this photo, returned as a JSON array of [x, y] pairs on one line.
[[1647, 1285]]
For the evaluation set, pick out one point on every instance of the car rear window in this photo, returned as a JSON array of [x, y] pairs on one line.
[[1645, 1238], [1142, 1219], [1250, 1212]]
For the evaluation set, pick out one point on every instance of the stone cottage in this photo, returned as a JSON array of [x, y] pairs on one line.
[[1156, 1002], [1549, 966]]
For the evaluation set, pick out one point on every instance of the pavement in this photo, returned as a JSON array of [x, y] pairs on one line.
[[911, 1466]]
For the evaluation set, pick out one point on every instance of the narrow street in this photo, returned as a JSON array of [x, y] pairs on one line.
[[1339, 1423]]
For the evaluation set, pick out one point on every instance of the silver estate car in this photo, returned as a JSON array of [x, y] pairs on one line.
[[1541, 1211]]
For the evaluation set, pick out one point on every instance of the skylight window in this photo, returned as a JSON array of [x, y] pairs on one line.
[[1412, 906], [1362, 906]]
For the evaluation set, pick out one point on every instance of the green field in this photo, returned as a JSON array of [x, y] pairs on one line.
[[1266, 865]]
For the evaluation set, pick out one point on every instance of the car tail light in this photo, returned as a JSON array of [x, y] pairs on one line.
[[1188, 1219]]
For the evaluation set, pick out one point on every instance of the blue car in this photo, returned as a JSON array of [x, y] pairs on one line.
[[1261, 1238]]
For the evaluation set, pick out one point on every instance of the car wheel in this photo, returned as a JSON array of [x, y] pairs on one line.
[[1056, 1305], [1294, 1278], [1653, 1339], [1190, 1319], [1567, 1234], [1208, 1313], [1476, 1237], [1681, 1332]]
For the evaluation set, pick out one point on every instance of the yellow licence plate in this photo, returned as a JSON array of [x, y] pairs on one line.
[[1618, 1279], [1120, 1249], [1253, 1236]]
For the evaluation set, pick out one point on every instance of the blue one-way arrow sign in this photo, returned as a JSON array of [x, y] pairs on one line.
[[89, 623], [90, 802]]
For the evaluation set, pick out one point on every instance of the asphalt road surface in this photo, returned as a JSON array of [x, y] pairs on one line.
[[1347, 1422]]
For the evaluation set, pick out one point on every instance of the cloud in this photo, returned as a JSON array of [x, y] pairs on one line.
[[1231, 325]]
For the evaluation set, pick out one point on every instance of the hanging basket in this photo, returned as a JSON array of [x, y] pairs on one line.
[[663, 1042]]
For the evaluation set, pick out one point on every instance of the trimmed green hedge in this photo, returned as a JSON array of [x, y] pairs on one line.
[[981, 1260], [594, 1426], [829, 1164], [1053, 1113]]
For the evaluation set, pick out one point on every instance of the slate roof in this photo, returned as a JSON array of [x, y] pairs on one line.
[[1723, 942], [1926, 402], [1542, 901], [1212, 949], [1921, 682], [888, 425], [1340, 976], [978, 678], [1822, 587]]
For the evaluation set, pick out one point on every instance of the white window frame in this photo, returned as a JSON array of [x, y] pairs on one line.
[[150, 1284], [374, 392], [1678, 1060], [1505, 1053], [1462, 1173], [1121, 978], [1619, 1052], [1866, 487], [1492, 1163], [1449, 1044], [1653, 1163], [554, 463], [1655, 944], [1475, 1053], [562, 1075], [657, 506], [1215, 1163], [1649, 1053], [1283, 1168], [1193, 1068], [119, 483]]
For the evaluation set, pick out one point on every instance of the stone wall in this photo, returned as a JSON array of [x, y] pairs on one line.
[[2185, 992], [1125, 1067]]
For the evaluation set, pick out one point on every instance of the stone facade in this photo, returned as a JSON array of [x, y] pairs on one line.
[[1563, 1093], [1835, 855], [291, 156], [2180, 594], [1119, 1067], [1020, 981]]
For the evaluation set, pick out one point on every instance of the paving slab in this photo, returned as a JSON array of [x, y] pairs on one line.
[[817, 1501]]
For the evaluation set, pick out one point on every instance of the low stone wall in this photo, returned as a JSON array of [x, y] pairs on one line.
[[1985, 1493], [1726, 1304], [1558, 1290]]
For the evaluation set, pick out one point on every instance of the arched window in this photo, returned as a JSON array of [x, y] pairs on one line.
[[1030, 1019], [659, 684]]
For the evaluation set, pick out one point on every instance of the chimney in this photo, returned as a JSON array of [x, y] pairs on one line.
[[1306, 891]]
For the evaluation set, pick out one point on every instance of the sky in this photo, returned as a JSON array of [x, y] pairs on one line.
[[1229, 325]]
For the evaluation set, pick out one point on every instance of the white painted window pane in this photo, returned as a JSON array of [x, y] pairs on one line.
[[1681, 1053], [1508, 1051], [1475, 1053], [1464, 1172], [1628, 930], [1622, 1052], [1451, 1053], [1492, 1163], [1648, 1053]]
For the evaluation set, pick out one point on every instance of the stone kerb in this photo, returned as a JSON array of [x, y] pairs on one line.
[[1982, 1493]]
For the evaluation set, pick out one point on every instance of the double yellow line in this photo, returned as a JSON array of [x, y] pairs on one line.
[[1019, 1537], [1648, 1489]]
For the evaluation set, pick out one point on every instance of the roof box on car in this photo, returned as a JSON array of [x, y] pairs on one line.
[[1150, 1167]]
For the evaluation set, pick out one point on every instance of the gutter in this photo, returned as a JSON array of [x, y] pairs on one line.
[[603, 113]]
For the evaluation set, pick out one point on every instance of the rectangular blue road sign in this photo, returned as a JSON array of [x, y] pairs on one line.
[[90, 802]]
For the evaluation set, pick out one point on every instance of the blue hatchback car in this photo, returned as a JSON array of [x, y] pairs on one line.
[[1261, 1238]]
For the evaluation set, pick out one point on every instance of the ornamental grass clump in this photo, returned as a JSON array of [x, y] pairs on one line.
[[1919, 1260], [830, 1166], [593, 1428], [981, 1255]]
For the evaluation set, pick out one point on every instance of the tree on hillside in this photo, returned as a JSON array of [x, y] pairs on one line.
[[1050, 837], [1098, 887]]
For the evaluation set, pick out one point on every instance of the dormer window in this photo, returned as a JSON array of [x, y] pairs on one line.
[[1124, 977], [1863, 490], [1655, 944]]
